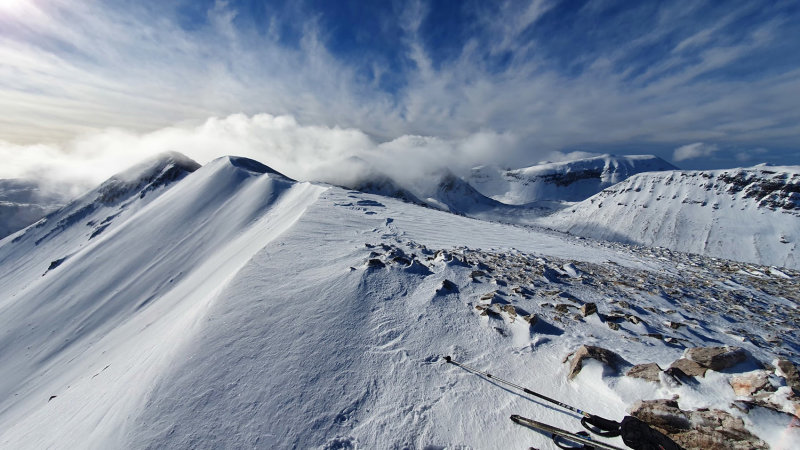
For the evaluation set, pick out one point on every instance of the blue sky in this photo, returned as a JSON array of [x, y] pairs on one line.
[[704, 84]]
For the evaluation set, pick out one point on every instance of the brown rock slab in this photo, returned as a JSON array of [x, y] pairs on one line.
[[647, 372], [716, 358], [689, 367], [605, 356]]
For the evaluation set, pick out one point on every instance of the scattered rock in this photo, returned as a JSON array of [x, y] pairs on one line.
[[689, 367], [588, 309], [448, 285], [697, 429], [789, 372], [658, 336], [607, 357], [633, 319], [51, 397], [613, 326], [745, 385], [511, 311], [716, 358], [562, 307], [532, 319], [375, 263], [674, 325], [647, 372]]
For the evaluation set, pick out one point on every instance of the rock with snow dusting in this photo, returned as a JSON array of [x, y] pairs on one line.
[[789, 372], [607, 357], [745, 385], [649, 372]]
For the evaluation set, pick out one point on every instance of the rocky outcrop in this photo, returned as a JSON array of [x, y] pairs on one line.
[[716, 358], [697, 429]]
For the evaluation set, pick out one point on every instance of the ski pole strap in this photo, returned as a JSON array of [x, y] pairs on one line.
[[516, 386], [601, 427]]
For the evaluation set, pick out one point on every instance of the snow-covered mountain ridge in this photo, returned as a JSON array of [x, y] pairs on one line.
[[234, 307], [746, 214], [23, 202], [568, 181]]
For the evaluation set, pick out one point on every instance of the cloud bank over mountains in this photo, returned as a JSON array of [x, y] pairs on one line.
[[524, 78]]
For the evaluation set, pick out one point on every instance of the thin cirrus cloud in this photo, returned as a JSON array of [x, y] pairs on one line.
[[541, 78]]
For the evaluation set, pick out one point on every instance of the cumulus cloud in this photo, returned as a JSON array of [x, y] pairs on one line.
[[695, 150]]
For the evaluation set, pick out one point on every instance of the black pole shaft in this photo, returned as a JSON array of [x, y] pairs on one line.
[[515, 386]]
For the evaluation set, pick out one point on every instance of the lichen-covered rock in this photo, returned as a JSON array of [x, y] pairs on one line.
[[689, 367], [716, 358], [649, 372], [607, 357], [697, 429]]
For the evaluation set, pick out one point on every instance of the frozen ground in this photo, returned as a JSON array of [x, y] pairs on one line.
[[232, 307]]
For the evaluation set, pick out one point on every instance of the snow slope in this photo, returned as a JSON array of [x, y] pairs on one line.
[[569, 181], [240, 309], [750, 214]]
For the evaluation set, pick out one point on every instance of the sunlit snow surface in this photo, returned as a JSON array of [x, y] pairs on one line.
[[236, 308]]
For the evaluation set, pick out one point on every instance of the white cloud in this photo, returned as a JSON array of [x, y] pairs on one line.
[[303, 152], [692, 151]]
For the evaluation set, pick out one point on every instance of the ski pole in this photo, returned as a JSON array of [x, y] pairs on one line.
[[606, 427], [574, 437]]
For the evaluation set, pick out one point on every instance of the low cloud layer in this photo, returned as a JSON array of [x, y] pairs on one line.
[[319, 153]]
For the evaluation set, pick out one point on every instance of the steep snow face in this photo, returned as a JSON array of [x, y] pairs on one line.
[[23, 202], [240, 309], [157, 266], [563, 181], [750, 214]]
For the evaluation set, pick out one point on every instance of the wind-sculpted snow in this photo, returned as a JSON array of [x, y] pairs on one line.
[[239, 309], [568, 181], [748, 215]]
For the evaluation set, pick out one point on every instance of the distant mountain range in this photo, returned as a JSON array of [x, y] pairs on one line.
[[747, 214]]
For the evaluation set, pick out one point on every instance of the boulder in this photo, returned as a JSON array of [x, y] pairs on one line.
[[588, 309], [747, 384], [607, 357], [647, 372], [689, 367], [696, 429], [716, 358]]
